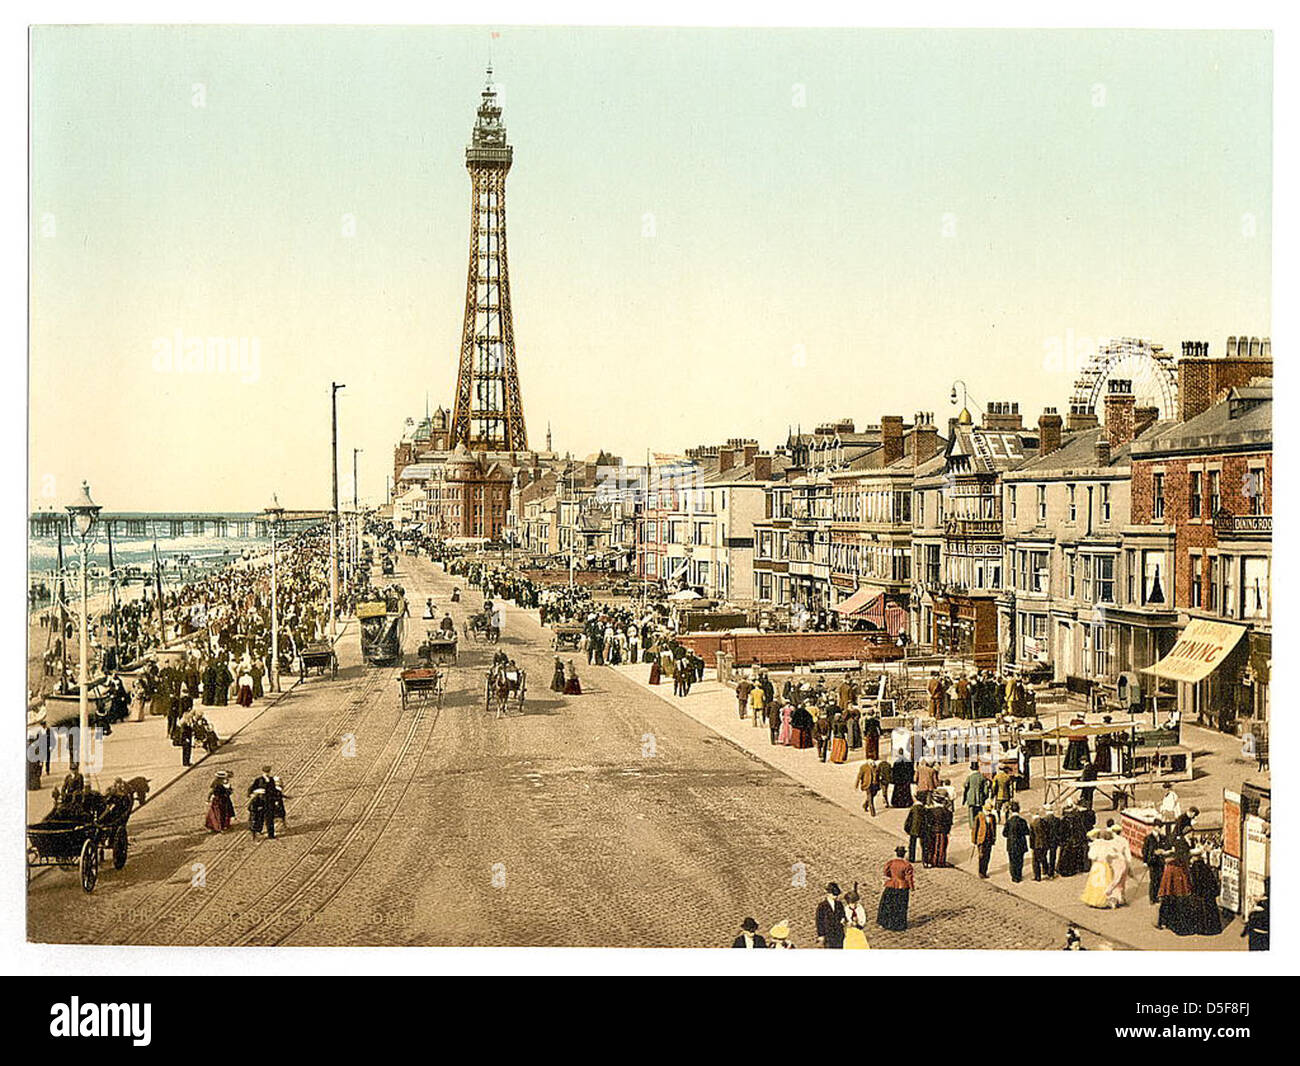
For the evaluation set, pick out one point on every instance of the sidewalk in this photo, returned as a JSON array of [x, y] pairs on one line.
[[714, 705], [143, 749]]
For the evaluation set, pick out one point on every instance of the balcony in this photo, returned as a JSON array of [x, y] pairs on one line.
[[973, 527], [1227, 524]]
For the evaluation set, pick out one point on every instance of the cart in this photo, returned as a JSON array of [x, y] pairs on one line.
[[78, 842], [440, 646], [319, 655], [506, 684], [567, 636], [422, 686], [479, 626]]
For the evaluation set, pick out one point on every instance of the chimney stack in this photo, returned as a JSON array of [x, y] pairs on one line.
[[1103, 451], [891, 437], [1144, 418], [762, 466], [1003, 414], [925, 438], [748, 451], [1049, 431], [1081, 417], [1119, 412], [1204, 381], [725, 458]]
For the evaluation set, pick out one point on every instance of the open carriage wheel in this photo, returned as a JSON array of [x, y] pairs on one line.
[[89, 864]]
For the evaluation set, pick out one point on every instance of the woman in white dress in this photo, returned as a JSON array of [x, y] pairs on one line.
[[1119, 864]]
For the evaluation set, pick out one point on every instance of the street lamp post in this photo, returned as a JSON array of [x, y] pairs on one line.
[[356, 507], [274, 514], [84, 513], [334, 512]]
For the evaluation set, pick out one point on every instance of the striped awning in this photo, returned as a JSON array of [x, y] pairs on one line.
[[855, 603]]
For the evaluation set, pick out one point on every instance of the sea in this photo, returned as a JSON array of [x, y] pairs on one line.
[[134, 537]]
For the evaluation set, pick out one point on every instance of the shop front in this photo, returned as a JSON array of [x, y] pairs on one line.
[[1210, 663], [966, 627]]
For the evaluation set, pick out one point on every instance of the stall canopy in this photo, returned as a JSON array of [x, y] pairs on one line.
[[879, 609], [854, 603], [1202, 647]]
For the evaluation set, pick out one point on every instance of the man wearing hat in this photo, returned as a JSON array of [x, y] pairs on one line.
[[749, 936], [1016, 832], [1044, 835], [266, 805], [831, 917], [984, 835]]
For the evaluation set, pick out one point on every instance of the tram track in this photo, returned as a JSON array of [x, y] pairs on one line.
[[317, 762]]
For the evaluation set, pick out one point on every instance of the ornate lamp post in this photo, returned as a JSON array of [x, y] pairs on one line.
[[274, 515], [84, 512]]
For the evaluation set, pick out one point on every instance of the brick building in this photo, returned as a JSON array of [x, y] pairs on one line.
[[1203, 488]]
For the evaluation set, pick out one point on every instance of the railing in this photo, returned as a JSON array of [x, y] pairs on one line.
[[973, 527]]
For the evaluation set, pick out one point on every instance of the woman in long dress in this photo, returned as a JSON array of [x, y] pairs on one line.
[[801, 726], [871, 737], [1100, 876], [557, 678], [221, 808], [1119, 867], [245, 689], [1177, 908], [894, 900], [855, 921], [901, 776], [786, 733], [572, 686], [839, 739], [1208, 921]]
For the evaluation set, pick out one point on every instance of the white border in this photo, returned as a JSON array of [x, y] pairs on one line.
[[21, 957]]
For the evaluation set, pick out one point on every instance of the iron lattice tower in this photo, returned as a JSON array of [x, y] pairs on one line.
[[489, 414]]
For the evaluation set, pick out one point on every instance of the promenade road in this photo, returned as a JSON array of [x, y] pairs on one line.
[[606, 819]]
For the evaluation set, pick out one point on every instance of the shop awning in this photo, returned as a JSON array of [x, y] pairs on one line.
[[854, 603], [1202, 647], [885, 614]]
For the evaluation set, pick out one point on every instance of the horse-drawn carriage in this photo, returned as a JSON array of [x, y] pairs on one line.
[[382, 626], [566, 636], [422, 686], [438, 646], [319, 655], [80, 840], [507, 683], [479, 626]]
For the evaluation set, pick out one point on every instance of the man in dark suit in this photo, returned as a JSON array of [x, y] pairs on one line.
[[1152, 855], [267, 805], [1044, 834], [749, 937], [831, 917], [1016, 831]]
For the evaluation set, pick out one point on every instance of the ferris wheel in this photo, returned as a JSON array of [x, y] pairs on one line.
[[1152, 370]]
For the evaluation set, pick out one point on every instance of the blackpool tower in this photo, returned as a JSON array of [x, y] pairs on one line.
[[488, 414]]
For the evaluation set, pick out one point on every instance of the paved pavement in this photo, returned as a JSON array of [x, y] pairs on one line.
[[1132, 926], [610, 819]]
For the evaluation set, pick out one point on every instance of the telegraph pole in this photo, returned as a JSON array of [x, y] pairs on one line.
[[356, 510], [334, 511]]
